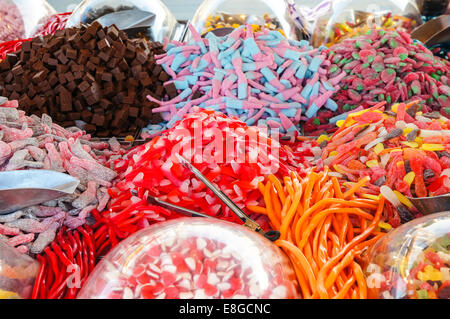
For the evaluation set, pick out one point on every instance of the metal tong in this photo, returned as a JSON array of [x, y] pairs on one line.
[[248, 222]]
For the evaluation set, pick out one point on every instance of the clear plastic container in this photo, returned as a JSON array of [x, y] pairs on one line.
[[268, 14], [193, 258], [349, 18], [20, 18], [412, 262], [162, 24], [17, 273]]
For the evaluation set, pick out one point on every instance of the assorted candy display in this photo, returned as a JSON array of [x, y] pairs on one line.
[[192, 258], [270, 15], [403, 151], [344, 19], [412, 262], [385, 66], [327, 145]]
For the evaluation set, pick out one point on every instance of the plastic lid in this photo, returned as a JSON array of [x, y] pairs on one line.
[[193, 258], [20, 18], [413, 261], [270, 14], [348, 18], [151, 19], [17, 273]]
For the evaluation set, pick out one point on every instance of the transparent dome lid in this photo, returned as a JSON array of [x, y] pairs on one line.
[[19, 18], [148, 18], [413, 261], [17, 273], [268, 14], [349, 18], [193, 258]]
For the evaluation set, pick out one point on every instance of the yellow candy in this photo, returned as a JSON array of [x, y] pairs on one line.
[[384, 225], [378, 148], [8, 295], [129, 138], [430, 273], [235, 25], [409, 178], [322, 138], [370, 196], [338, 170], [333, 153], [411, 144], [394, 107], [419, 140], [340, 123], [372, 163], [433, 147], [407, 130], [405, 201], [400, 163]]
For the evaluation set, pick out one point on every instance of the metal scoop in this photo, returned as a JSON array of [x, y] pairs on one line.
[[431, 205], [433, 32], [25, 188], [128, 19]]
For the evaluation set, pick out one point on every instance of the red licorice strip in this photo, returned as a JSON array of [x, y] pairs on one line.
[[40, 277], [74, 249]]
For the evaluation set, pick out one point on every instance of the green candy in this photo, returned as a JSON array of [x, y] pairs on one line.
[[388, 99], [402, 64], [370, 58], [447, 110], [355, 55], [316, 121], [334, 69], [365, 65], [403, 56], [422, 294], [435, 76], [393, 44], [346, 107], [357, 44], [360, 87]]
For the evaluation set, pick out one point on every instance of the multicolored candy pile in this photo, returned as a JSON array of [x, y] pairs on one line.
[[346, 30], [260, 77], [225, 20], [403, 151], [412, 262], [38, 143], [384, 66]]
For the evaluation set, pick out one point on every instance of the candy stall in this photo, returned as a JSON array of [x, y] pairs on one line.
[[258, 150]]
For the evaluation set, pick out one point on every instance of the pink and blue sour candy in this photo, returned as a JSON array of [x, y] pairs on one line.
[[262, 78]]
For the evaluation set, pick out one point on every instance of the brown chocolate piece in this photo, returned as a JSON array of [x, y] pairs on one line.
[[88, 73]]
